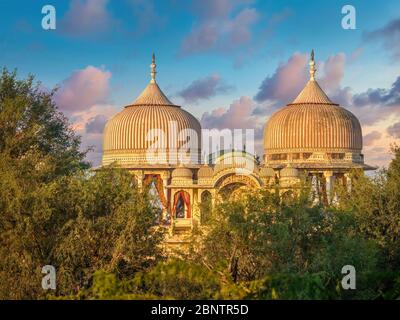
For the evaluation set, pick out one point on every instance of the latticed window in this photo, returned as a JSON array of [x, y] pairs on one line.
[[336, 155]]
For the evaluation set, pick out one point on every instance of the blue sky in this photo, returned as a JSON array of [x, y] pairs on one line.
[[212, 58]]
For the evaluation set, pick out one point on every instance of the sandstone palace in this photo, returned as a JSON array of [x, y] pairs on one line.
[[311, 137]]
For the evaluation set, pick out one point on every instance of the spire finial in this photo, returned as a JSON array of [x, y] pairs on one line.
[[153, 69], [312, 66]]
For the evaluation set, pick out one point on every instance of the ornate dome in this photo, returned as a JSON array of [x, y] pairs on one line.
[[205, 172], [239, 160], [289, 172], [267, 172], [182, 172], [151, 131], [313, 124]]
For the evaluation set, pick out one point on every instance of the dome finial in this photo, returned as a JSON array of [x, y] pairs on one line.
[[312, 66], [153, 69]]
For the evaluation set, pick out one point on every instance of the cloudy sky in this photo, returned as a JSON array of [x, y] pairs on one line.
[[231, 63]]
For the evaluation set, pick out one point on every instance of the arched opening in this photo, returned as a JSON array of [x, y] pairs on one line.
[[233, 186], [205, 207], [181, 207], [155, 184], [288, 197]]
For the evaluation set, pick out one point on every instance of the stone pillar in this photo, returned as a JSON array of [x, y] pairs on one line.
[[329, 178], [139, 176], [315, 189], [347, 181], [165, 177]]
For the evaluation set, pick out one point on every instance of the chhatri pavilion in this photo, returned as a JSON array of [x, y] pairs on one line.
[[161, 145]]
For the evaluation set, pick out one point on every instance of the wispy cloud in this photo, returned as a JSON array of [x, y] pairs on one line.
[[290, 77], [86, 17], [371, 137], [380, 96], [96, 124], [82, 89], [388, 35], [239, 115], [84, 97], [219, 26], [204, 88], [394, 130], [286, 82]]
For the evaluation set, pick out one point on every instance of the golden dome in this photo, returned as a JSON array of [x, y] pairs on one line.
[[205, 172], [182, 172], [312, 124], [289, 172], [151, 131], [267, 172], [239, 160]]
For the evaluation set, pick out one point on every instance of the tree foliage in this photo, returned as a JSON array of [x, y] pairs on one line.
[[55, 211]]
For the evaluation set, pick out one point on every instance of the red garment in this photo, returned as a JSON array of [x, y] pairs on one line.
[[159, 187], [186, 199]]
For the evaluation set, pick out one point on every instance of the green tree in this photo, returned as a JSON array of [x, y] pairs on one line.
[[261, 240], [375, 202], [53, 210]]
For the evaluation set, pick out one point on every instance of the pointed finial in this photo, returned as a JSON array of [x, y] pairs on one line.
[[153, 69], [312, 66]]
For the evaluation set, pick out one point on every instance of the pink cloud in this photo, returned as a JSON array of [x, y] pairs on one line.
[[287, 81], [239, 115], [371, 137], [204, 88], [86, 17], [90, 124], [332, 72], [83, 89], [83, 97], [290, 77], [394, 130], [219, 27]]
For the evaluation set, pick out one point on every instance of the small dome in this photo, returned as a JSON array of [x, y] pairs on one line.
[[205, 172], [235, 160], [182, 173], [267, 172], [289, 172]]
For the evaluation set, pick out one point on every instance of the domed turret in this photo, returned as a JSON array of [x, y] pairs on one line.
[[205, 172], [267, 172], [289, 172], [312, 129], [182, 176], [151, 131], [182, 172]]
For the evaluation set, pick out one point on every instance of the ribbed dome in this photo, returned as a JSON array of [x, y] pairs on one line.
[[235, 160], [312, 127], [289, 172], [148, 129], [312, 123], [182, 172], [267, 172], [205, 172], [152, 96]]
